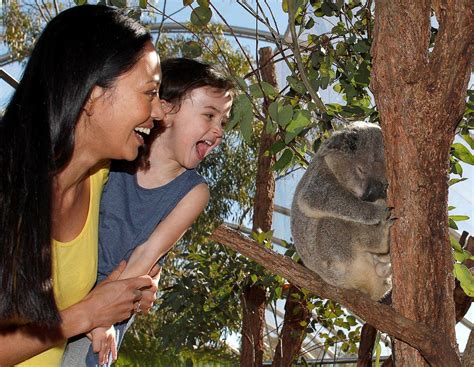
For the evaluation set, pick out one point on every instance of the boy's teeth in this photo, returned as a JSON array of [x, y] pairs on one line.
[[143, 130], [208, 142]]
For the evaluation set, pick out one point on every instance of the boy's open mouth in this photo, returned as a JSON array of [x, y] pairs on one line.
[[203, 147]]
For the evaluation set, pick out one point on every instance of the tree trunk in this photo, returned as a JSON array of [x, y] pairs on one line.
[[296, 318], [468, 356], [253, 298], [253, 304], [421, 97], [366, 346]]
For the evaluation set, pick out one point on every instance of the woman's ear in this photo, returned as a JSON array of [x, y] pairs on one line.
[[96, 93]]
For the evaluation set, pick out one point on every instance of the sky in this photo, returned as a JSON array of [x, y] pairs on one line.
[[461, 195]]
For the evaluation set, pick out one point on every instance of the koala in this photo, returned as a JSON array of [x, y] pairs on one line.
[[339, 217]]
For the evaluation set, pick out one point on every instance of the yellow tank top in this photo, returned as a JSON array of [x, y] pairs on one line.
[[75, 266]]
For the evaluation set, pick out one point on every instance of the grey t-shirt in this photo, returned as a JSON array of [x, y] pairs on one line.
[[129, 213]]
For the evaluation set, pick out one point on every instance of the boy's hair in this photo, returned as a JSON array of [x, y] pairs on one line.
[[180, 76], [82, 47]]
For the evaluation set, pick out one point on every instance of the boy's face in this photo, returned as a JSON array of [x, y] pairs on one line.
[[198, 126]]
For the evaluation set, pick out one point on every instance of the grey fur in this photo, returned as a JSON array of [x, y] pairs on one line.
[[339, 218]]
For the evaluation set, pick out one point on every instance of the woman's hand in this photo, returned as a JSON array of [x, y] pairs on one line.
[[114, 300]]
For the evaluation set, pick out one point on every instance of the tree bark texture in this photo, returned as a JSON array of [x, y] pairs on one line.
[[366, 346], [468, 356], [297, 316], [434, 346], [420, 95], [253, 302], [253, 298]]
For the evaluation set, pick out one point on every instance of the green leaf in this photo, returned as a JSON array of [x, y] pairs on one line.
[[204, 3], [301, 119], [309, 24], [462, 273], [459, 218], [187, 2], [284, 160], [457, 169], [452, 224], [246, 125], [378, 352], [467, 138], [241, 82], [278, 292], [80, 2], [462, 153], [191, 49], [143, 4], [258, 90], [462, 256], [455, 244], [297, 85], [363, 74], [456, 180], [201, 16], [351, 320], [279, 113], [277, 147]]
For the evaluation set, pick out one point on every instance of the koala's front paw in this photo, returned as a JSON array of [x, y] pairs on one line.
[[380, 212]]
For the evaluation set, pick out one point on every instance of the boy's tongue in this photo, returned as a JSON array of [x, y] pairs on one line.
[[202, 149]]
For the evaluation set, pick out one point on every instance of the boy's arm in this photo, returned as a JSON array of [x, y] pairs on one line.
[[168, 232]]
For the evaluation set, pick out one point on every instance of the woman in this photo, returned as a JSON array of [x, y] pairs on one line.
[[88, 92]]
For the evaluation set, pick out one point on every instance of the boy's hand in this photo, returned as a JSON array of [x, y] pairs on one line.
[[103, 342], [149, 294]]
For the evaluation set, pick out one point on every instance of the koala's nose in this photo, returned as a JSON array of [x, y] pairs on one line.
[[375, 190]]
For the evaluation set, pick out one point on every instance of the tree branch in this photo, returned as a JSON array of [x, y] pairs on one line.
[[431, 344]]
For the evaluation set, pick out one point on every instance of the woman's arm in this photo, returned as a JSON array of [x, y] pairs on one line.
[[110, 302], [168, 232]]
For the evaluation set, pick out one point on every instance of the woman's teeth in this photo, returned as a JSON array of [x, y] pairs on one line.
[[143, 130]]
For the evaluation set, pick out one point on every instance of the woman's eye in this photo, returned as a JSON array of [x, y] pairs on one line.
[[152, 93]]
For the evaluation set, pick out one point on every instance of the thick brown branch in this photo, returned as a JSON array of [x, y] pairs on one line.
[[452, 55], [433, 346]]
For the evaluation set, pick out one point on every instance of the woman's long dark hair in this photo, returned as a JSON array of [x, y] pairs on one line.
[[82, 47]]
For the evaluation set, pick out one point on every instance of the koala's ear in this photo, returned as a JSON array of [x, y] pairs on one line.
[[345, 141]]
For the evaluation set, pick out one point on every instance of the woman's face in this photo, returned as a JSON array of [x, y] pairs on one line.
[[119, 116]]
